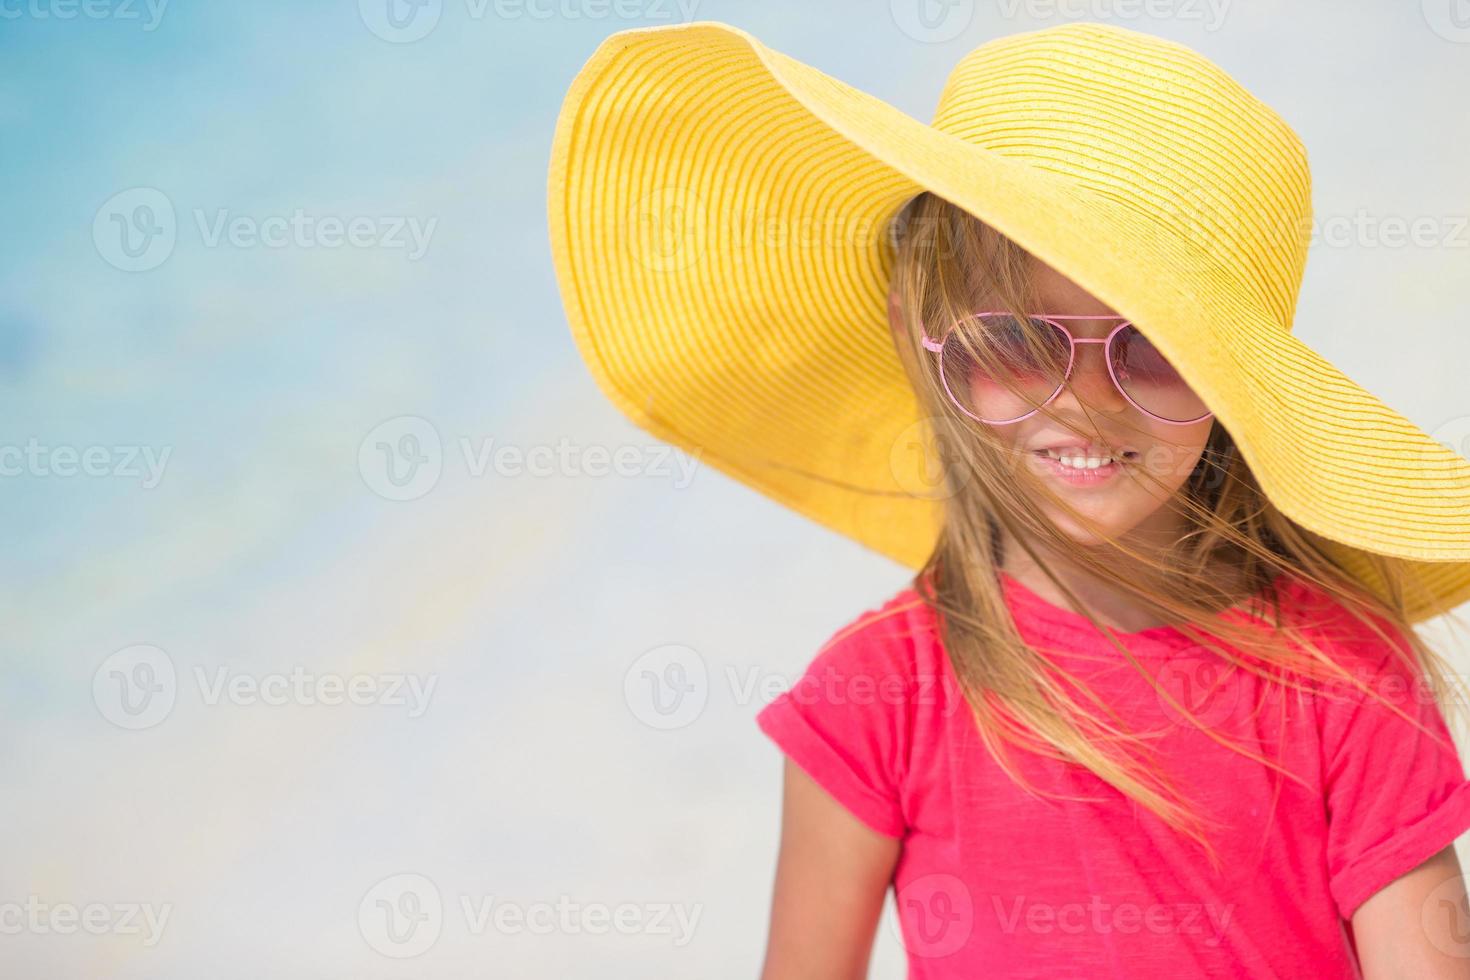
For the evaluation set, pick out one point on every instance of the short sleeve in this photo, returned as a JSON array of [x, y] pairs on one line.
[[846, 723], [1395, 796]]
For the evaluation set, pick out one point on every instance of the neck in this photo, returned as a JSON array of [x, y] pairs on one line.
[[1120, 611]]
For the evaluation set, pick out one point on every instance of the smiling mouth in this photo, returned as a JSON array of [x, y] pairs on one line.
[[1081, 460]]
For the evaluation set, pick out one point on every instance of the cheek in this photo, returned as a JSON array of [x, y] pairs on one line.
[[1173, 453]]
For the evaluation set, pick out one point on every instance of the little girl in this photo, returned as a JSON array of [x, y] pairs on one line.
[[1113, 492], [1152, 703]]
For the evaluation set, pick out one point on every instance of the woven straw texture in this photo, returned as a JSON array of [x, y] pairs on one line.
[[718, 216]]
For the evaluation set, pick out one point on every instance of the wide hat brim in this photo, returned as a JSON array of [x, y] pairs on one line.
[[717, 217]]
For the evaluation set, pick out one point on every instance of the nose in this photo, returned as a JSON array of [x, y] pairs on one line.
[[1090, 383]]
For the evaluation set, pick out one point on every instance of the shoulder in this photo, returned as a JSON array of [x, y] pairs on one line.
[[887, 654], [898, 632], [897, 619], [1373, 655], [1316, 613], [862, 709]]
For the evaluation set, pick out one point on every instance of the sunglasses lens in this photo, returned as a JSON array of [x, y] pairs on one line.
[[1151, 381], [999, 368]]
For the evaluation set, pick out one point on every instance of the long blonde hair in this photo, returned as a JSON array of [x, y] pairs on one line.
[[1237, 545]]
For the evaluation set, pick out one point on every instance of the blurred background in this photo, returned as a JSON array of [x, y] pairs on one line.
[[327, 624]]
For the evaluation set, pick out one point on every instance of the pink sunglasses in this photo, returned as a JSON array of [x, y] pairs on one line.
[[998, 370]]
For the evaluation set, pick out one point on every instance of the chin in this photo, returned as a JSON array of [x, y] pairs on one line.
[[1083, 539], [1109, 527]]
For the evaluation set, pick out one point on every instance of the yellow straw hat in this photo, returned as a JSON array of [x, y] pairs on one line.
[[719, 217]]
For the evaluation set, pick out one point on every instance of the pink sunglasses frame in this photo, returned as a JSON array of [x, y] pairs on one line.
[[937, 346]]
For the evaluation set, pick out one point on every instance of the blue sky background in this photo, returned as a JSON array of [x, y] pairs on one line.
[[264, 548]]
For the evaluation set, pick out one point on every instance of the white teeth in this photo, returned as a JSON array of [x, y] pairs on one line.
[[1080, 462]]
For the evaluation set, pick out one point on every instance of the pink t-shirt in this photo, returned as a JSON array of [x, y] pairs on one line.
[[993, 882]]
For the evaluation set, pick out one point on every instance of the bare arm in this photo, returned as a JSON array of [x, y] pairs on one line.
[[1414, 927], [831, 876]]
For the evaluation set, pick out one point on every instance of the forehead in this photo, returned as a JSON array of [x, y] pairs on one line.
[[1058, 294]]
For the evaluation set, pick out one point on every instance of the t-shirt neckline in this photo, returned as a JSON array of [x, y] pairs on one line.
[[1031, 609]]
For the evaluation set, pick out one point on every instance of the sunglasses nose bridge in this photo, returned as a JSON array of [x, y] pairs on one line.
[[1091, 379]]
